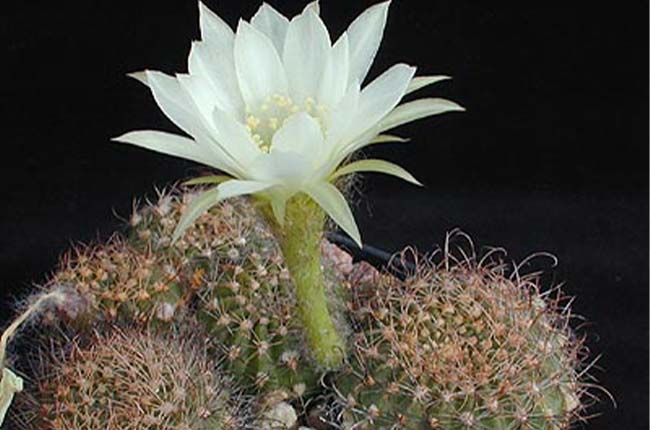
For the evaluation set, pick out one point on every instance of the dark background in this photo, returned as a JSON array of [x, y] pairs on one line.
[[551, 155]]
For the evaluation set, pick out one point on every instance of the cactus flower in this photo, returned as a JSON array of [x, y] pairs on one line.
[[280, 108]]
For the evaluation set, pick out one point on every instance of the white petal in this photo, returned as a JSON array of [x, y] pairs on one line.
[[235, 139], [333, 203], [212, 179], [313, 6], [365, 35], [287, 169], [424, 81], [175, 103], [334, 82], [301, 133], [259, 69], [201, 92], [272, 23], [10, 384], [174, 145], [417, 109], [377, 166], [218, 67], [342, 116], [278, 200], [378, 99], [205, 201], [306, 50], [140, 77], [213, 29], [387, 138]]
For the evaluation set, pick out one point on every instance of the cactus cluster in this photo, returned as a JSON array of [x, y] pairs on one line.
[[233, 266], [131, 379], [459, 346], [226, 273], [143, 277], [456, 345]]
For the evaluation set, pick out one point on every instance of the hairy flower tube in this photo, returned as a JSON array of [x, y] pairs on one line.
[[280, 109]]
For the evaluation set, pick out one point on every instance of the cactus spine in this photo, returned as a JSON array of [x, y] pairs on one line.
[[132, 379], [458, 347]]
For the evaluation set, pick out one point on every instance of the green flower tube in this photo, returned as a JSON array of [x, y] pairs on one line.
[[300, 240]]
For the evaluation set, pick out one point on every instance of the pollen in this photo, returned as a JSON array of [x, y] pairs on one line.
[[264, 120], [253, 122]]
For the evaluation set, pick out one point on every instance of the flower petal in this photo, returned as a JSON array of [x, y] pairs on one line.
[[377, 166], [205, 201], [259, 69], [176, 146], [289, 170], [375, 102], [214, 29], [388, 138], [10, 384], [306, 50], [235, 139], [417, 109], [175, 103], [278, 200], [341, 118], [424, 81], [218, 68], [272, 23], [201, 92], [365, 35], [171, 99], [313, 6], [140, 77], [212, 179], [334, 82], [333, 203], [301, 133]]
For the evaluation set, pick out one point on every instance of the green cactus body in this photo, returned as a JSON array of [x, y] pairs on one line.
[[227, 268], [132, 380], [250, 310], [119, 283], [232, 264], [459, 348]]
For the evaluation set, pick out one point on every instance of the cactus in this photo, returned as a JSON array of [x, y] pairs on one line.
[[227, 268], [116, 282], [246, 297], [129, 379], [459, 346], [142, 277]]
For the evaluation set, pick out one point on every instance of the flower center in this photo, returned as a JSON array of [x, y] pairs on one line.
[[263, 121]]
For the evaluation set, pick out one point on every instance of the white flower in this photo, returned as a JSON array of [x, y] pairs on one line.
[[279, 108]]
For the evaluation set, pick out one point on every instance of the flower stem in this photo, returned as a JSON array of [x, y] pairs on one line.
[[300, 240]]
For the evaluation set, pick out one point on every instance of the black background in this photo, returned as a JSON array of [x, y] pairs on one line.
[[551, 154]]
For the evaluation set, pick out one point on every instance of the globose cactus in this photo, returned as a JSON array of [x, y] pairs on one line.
[[118, 283], [458, 346], [129, 380], [143, 277], [245, 295]]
